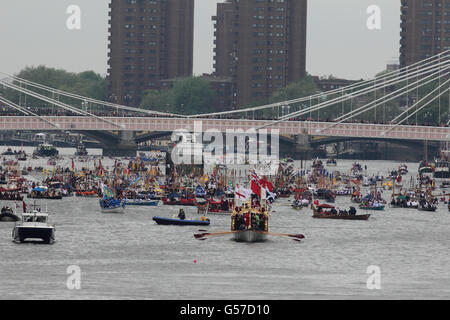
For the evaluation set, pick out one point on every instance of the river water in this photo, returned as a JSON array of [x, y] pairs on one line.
[[130, 257]]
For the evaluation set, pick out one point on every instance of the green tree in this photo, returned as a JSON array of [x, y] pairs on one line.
[[193, 96], [162, 100], [188, 96], [88, 84], [302, 88]]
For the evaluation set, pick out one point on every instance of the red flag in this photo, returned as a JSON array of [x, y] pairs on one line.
[[267, 185], [256, 188]]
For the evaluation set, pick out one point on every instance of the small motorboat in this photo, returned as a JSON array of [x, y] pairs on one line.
[[112, 206], [46, 150], [8, 152], [34, 225], [331, 162], [7, 215], [182, 222]]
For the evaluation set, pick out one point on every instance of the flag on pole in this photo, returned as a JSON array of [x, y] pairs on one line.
[[256, 184], [267, 185], [242, 193]]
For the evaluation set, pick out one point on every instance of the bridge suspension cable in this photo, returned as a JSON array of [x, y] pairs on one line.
[[55, 102], [395, 94], [403, 90], [342, 90], [87, 99], [381, 85], [370, 89], [417, 103]]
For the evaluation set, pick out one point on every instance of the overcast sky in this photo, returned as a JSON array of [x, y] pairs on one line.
[[339, 42]]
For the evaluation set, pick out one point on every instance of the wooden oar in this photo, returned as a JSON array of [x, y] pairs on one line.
[[296, 236], [200, 236]]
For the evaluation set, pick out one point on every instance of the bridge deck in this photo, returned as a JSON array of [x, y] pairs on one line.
[[222, 125]]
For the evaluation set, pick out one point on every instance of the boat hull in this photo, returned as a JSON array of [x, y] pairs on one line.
[[8, 217], [143, 203], [179, 222], [250, 236], [343, 217], [22, 233], [372, 208], [427, 209], [114, 210]]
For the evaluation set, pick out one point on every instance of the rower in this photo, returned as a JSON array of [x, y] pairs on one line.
[[181, 215]]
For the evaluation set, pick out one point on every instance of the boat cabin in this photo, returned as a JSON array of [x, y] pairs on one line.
[[35, 216]]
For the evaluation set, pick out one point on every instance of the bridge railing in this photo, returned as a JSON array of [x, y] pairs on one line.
[[172, 124]]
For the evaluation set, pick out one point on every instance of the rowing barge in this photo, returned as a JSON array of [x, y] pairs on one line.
[[250, 223], [250, 236], [328, 215]]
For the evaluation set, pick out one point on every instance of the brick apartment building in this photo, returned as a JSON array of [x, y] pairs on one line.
[[260, 45], [149, 40], [425, 29]]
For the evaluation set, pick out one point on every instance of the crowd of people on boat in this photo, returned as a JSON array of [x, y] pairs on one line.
[[250, 216], [407, 200], [336, 211]]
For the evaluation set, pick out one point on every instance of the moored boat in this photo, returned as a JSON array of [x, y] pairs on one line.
[[46, 150]]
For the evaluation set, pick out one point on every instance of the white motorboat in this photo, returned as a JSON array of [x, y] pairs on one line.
[[34, 225]]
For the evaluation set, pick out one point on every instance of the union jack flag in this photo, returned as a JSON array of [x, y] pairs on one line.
[[256, 178]]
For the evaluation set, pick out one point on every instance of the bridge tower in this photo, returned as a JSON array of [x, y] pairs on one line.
[[125, 148], [302, 148]]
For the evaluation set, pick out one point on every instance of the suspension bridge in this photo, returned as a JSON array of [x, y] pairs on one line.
[[415, 88]]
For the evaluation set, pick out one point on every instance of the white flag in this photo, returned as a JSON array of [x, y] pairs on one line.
[[242, 193]]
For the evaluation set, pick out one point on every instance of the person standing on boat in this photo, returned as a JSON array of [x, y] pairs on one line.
[[257, 221], [247, 220], [181, 215]]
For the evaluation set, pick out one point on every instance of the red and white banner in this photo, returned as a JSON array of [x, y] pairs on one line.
[[242, 193]]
